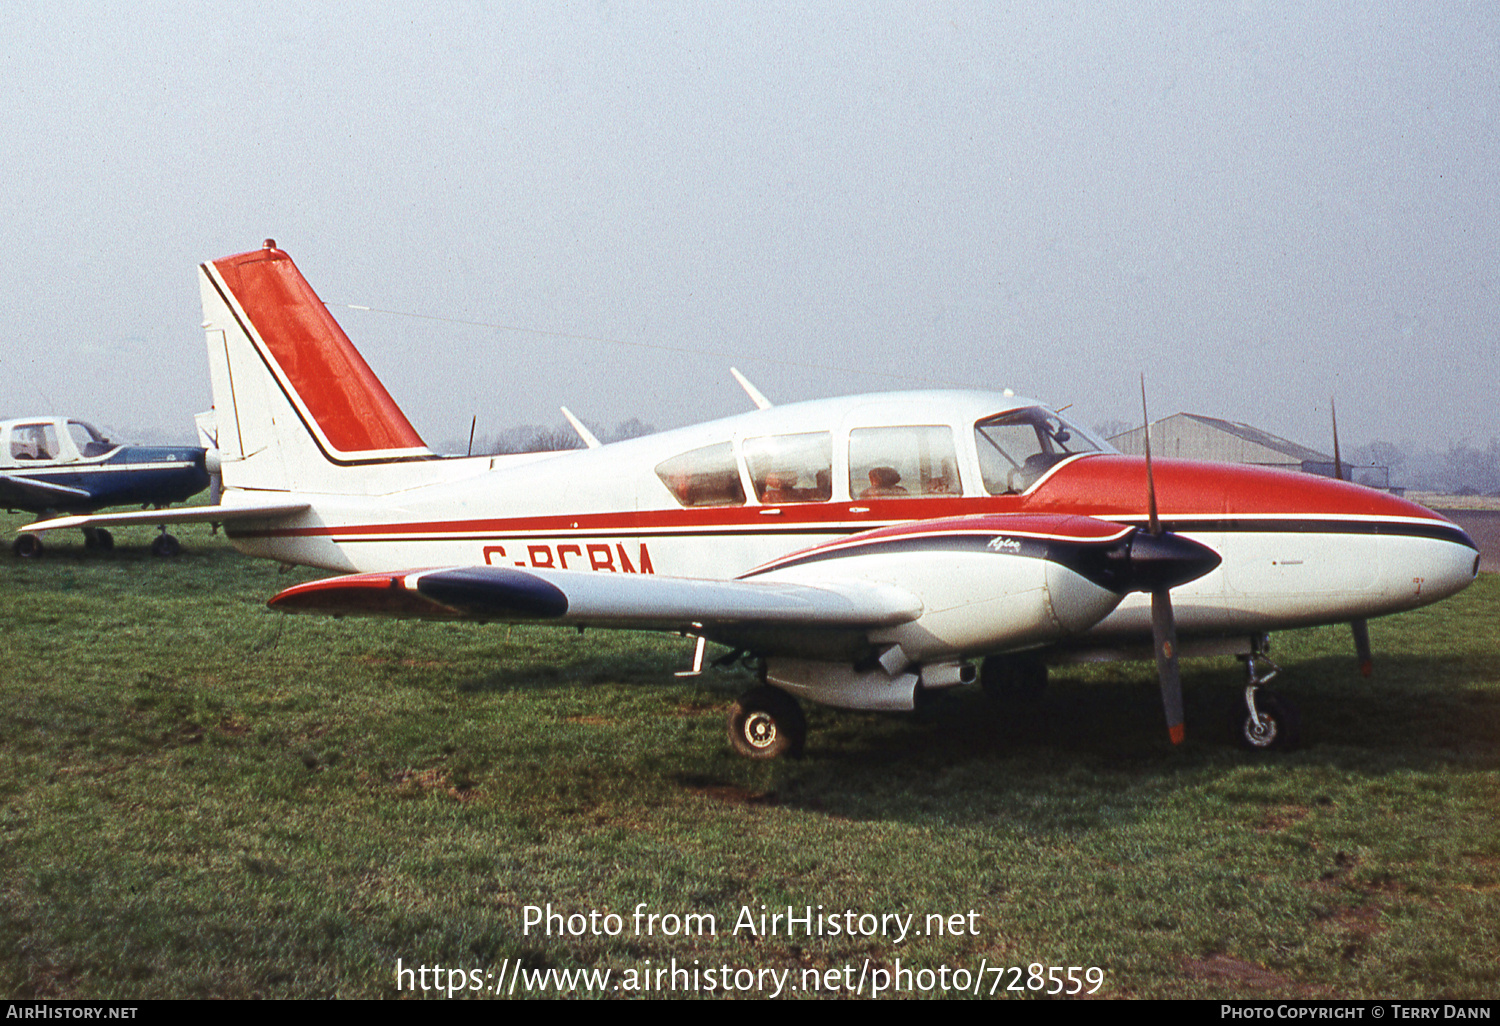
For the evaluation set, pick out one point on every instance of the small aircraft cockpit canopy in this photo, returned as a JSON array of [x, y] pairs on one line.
[[33, 441], [708, 476], [1019, 446], [54, 440], [89, 441]]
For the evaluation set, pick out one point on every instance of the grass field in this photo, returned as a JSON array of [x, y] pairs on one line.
[[200, 797]]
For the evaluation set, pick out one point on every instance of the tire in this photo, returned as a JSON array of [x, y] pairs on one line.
[[767, 723], [27, 546], [1282, 730], [106, 540], [1013, 679], [165, 546]]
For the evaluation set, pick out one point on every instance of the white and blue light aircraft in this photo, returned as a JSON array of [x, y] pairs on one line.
[[51, 465]]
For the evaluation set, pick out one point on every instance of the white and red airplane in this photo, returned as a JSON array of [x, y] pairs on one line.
[[860, 550]]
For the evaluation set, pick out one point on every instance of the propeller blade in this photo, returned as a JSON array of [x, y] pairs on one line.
[[1361, 630], [1164, 635], [1338, 463], [1155, 521], [1163, 624]]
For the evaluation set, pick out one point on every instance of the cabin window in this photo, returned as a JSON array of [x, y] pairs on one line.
[[791, 468], [704, 477], [902, 461], [1018, 447], [33, 442]]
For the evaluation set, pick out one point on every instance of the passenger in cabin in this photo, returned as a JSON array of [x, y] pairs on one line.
[[884, 481], [780, 488]]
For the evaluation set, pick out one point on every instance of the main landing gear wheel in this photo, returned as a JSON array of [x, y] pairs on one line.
[[98, 538], [165, 546], [27, 546], [767, 723], [1265, 722], [1013, 678]]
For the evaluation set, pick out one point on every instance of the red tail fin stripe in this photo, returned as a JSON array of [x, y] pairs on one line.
[[337, 388]]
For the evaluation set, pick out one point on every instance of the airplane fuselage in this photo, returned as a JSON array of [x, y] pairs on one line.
[[1296, 549]]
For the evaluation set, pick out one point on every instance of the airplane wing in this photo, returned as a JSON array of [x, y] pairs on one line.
[[590, 599], [262, 510], [30, 492]]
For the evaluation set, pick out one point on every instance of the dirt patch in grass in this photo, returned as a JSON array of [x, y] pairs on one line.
[[1276, 820], [1238, 975], [732, 794], [408, 663], [411, 783]]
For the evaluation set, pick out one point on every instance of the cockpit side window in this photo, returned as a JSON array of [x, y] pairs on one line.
[[88, 441], [709, 476], [33, 442], [791, 468], [902, 461], [1018, 447]]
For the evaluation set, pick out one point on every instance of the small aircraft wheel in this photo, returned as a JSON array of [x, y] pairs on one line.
[[767, 723], [98, 538], [106, 540], [1013, 678], [27, 546], [1280, 727], [165, 546]]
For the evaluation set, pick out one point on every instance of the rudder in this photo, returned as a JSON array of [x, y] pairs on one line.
[[296, 404]]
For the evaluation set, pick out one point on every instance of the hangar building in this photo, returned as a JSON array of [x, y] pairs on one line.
[[1192, 436]]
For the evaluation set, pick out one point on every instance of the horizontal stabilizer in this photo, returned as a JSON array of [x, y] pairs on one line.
[[180, 515], [640, 601]]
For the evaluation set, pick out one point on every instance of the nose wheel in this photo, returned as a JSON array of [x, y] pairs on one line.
[[767, 723], [1264, 721]]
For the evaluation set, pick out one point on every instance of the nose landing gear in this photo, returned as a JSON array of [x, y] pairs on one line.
[[1264, 721]]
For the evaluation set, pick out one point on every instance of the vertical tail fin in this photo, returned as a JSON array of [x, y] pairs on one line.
[[297, 406]]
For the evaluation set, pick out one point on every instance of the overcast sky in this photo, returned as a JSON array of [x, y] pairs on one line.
[[1256, 204]]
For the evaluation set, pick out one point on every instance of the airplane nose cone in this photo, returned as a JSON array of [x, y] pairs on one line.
[[1167, 560]]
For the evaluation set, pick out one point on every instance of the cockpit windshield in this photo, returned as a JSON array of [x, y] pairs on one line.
[[88, 440], [1017, 447]]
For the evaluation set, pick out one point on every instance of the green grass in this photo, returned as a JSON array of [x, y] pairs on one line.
[[200, 797]]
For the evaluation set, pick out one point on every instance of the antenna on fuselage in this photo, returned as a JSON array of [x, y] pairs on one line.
[[760, 401], [583, 432], [472, 424]]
